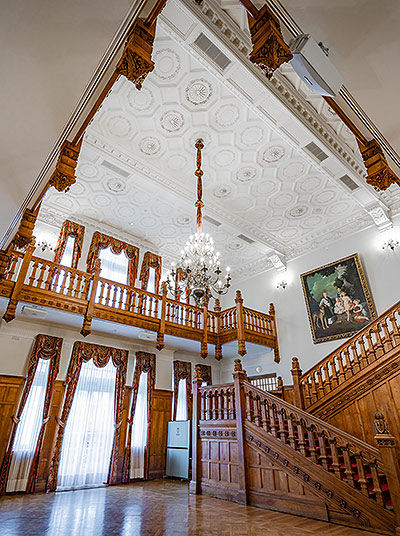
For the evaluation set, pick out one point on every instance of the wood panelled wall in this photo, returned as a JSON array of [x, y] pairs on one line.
[[10, 390]]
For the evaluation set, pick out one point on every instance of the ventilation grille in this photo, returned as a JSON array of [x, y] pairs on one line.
[[211, 220], [348, 181], [216, 56], [246, 238], [114, 168], [316, 151]]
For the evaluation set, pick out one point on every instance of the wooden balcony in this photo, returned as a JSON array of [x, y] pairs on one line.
[[34, 280]]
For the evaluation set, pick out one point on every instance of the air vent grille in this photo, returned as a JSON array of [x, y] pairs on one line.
[[246, 239], [316, 151], [114, 168], [348, 181], [205, 45], [211, 220]]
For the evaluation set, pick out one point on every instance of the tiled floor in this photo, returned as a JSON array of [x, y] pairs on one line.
[[149, 509]]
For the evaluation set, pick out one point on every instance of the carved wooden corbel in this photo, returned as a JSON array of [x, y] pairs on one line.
[[269, 48], [63, 176], [136, 63], [25, 230], [379, 174]]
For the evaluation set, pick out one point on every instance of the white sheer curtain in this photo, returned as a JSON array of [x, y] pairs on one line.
[[28, 430], [66, 259], [89, 432], [139, 429], [151, 287], [181, 404], [115, 268]]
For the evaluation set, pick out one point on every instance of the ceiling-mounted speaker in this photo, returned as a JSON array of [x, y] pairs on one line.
[[312, 64]]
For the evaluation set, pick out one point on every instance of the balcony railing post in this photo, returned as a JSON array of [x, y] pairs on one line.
[[389, 452], [5, 259], [275, 334], [161, 329], [13, 301], [240, 324], [87, 321], [195, 487], [204, 341], [218, 346], [240, 407], [297, 390]]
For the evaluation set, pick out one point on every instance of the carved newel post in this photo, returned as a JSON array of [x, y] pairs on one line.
[[275, 332], [240, 324], [297, 390], [239, 375], [204, 340], [389, 452], [194, 487], [87, 321], [218, 346]]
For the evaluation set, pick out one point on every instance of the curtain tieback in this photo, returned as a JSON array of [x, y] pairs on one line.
[[60, 422], [15, 419]]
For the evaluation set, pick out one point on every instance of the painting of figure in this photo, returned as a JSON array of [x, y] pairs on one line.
[[338, 299]]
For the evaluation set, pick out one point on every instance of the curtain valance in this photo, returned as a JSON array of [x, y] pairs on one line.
[[70, 228], [103, 241]]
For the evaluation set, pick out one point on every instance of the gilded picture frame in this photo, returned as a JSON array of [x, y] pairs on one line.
[[338, 299]]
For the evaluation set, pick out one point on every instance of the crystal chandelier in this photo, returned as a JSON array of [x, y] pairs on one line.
[[198, 272]]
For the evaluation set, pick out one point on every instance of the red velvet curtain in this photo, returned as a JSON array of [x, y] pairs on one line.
[[145, 362], [103, 241], [45, 347], [70, 228], [83, 351], [182, 371], [150, 260]]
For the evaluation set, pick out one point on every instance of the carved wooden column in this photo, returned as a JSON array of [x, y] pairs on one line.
[[24, 234], [203, 348], [277, 357], [218, 346], [13, 301], [269, 48], [87, 321], [238, 376], [63, 176], [240, 324], [194, 487], [161, 330], [389, 452], [297, 390], [379, 174]]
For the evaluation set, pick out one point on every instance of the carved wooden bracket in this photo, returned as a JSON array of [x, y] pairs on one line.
[[136, 63], [269, 48], [25, 230], [63, 176], [5, 260], [379, 174]]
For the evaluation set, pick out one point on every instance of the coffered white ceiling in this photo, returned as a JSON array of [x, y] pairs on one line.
[[135, 172]]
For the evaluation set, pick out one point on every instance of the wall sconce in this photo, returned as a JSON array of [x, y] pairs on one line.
[[282, 284], [391, 244], [46, 243]]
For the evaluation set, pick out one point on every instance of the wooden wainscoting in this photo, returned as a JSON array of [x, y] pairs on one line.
[[161, 407], [10, 391]]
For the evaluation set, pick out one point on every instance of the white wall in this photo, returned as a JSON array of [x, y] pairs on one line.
[[382, 270], [17, 337]]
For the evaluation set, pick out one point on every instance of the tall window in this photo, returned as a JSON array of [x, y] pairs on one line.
[[114, 267], [28, 430], [139, 429], [181, 405], [89, 432], [66, 259]]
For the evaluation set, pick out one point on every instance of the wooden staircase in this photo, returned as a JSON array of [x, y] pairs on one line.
[[252, 447], [361, 375]]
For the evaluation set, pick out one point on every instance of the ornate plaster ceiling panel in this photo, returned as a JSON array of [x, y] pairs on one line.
[[255, 182]]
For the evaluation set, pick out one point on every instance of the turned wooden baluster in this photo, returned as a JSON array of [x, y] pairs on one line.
[[231, 402], [370, 350], [264, 416], [341, 374], [52, 279], [209, 406], [225, 394], [363, 353], [307, 392], [334, 373], [387, 341], [249, 404], [221, 404], [214, 405], [395, 329], [272, 420], [203, 415], [348, 471], [314, 390], [379, 342], [335, 457], [256, 410], [301, 438], [348, 368], [327, 381], [323, 458], [361, 473], [291, 435], [33, 273], [11, 270], [282, 432], [40, 282], [319, 384], [64, 277], [72, 279], [376, 484], [311, 443]]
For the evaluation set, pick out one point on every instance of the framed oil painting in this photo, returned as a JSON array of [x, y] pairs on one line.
[[338, 299]]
